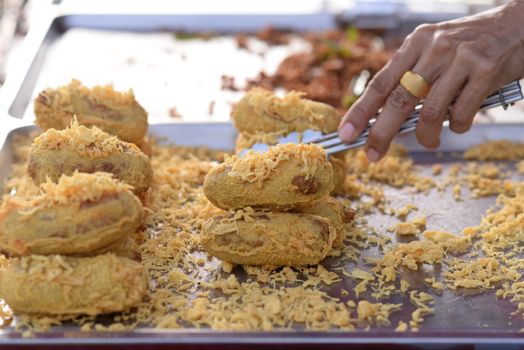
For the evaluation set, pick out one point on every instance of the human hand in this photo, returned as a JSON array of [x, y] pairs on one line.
[[463, 60]]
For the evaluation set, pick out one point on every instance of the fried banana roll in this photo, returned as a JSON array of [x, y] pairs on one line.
[[339, 216], [88, 150], [262, 111], [268, 238], [117, 113], [58, 285], [340, 170], [80, 214], [126, 247], [280, 178]]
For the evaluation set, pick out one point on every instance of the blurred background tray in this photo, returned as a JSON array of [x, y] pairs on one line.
[[179, 80]]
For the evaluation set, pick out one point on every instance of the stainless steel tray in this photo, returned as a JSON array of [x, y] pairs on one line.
[[479, 319], [461, 321], [19, 89]]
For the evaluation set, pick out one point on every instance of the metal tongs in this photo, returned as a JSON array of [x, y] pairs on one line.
[[504, 97]]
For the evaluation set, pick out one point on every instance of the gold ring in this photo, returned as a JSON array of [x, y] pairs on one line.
[[415, 84]]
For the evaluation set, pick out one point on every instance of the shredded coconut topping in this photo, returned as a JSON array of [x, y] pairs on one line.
[[288, 108], [70, 190], [256, 166], [98, 94], [87, 142]]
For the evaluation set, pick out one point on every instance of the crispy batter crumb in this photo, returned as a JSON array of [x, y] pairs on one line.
[[395, 169], [496, 150], [422, 302], [410, 228], [406, 210], [457, 192], [411, 254], [483, 273], [448, 241], [404, 285], [436, 169], [434, 283], [402, 326], [520, 167], [376, 313]]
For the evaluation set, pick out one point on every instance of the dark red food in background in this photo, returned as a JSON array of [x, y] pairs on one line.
[[325, 73]]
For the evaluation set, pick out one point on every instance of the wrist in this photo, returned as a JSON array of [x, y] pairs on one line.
[[512, 15]]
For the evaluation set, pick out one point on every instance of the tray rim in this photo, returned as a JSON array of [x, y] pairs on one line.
[[509, 131], [208, 336]]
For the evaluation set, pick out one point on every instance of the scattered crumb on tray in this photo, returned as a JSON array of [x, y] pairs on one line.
[[189, 289], [436, 169], [406, 210], [520, 167], [408, 228], [496, 150]]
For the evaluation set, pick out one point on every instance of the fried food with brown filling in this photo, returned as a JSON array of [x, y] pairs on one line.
[[88, 150], [340, 170], [339, 216], [117, 113], [262, 111], [126, 247], [58, 285], [145, 146], [280, 178], [78, 215], [338, 161], [268, 238], [262, 117]]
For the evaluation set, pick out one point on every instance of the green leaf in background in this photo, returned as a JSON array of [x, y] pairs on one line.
[[348, 100], [335, 50], [352, 34], [183, 35]]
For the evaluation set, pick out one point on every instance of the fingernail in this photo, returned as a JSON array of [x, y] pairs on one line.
[[347, 133], [372, 155]]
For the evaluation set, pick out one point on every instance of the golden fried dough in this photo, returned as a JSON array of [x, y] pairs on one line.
[[80, 214], [126, 247], [339, 216], [117, 113], [268, 238], [261, 111], [340, 169], [145, 146], [280, 178], [58, 285], [338, 161], [88, 150]]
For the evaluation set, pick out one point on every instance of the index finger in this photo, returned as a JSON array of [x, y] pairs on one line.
[[380, 87]]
